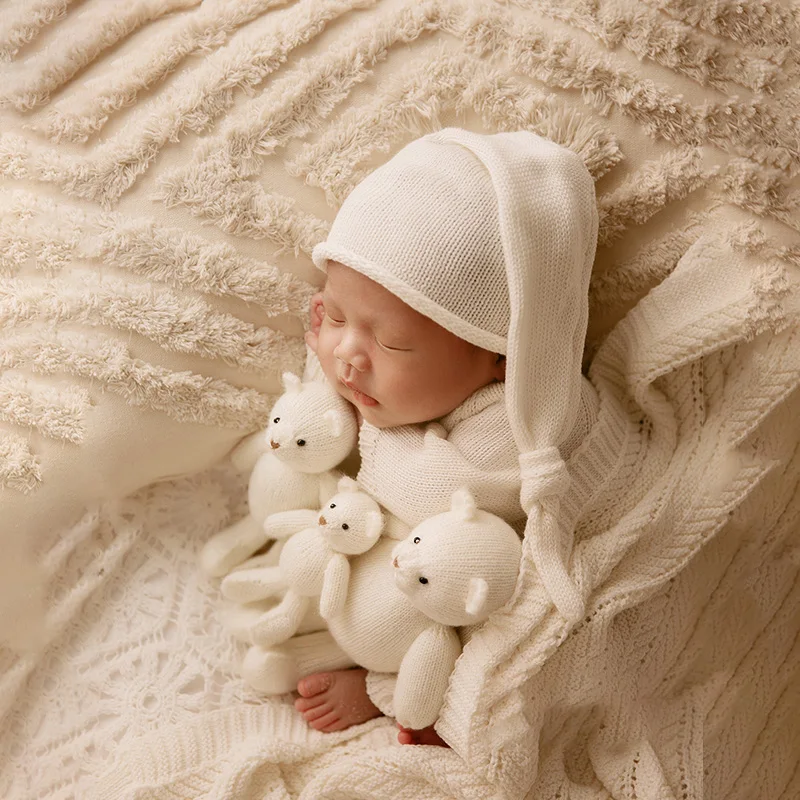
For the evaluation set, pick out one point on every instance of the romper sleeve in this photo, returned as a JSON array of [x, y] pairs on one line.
[[413, 470]]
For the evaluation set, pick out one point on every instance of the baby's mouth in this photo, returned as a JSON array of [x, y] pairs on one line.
[[360, 397]]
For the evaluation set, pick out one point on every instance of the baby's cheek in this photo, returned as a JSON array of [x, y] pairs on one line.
[[325, 348], [327, 342]]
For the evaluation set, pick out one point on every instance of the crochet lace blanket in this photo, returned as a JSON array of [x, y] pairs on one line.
[[167, 167]]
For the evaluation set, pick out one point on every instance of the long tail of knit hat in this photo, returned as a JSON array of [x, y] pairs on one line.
[[493, 237]]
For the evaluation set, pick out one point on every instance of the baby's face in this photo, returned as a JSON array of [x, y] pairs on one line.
[[395, 365]]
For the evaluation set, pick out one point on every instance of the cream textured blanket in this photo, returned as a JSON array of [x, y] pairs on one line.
[[168, 166]]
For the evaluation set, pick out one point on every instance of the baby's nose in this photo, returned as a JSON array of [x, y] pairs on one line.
[[351, 358]]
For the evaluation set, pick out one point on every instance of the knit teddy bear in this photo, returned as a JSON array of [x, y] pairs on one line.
[[403, 603], [313, 563], [312, 430]]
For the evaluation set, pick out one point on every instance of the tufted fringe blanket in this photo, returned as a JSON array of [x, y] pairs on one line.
[[166, 170]]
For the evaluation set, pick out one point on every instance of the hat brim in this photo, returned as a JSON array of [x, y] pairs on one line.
[[323, 252]]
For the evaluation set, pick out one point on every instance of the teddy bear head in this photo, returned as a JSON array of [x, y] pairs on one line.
[[351, 521], [460, 566], [312, 428]]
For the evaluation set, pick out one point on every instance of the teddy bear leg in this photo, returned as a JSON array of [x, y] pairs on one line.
[[281, 622], [230, 547], [239, 618], [277, 670], [272, 671], [247, 585]]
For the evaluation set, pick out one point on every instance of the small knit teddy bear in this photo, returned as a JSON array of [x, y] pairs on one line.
[[313, 563], [312, 429], [456, 568]]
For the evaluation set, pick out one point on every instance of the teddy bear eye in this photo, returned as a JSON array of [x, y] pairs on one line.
[[333, 505], [416, 540], [277, 419], [345, 527], [301, 442], [423, 580]]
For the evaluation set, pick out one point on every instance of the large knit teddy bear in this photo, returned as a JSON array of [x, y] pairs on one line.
[[313, 563], [312, 430], [403, 603]]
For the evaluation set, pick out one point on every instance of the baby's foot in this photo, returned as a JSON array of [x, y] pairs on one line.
[[425, 736], [333, 701]]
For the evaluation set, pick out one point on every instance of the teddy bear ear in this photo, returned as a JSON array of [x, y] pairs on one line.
[[291, 382], [374, 524], [347, 484], [334, 422], [477, 594], [462, 504]]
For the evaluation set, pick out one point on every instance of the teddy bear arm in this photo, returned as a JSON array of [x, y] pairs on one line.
[[334, 586], [284, 524], [231, 546], [245, 454], [248, 585], [424, 676]]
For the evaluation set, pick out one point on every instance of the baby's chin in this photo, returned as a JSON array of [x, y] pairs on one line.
[[378, 415]]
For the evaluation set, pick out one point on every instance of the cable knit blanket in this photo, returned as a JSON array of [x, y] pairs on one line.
[[167, 167]]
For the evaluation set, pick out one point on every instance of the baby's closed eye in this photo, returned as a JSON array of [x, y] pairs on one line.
[[394, 349], [337, 323]]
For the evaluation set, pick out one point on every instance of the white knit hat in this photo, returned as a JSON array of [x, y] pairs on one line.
[[493, 237]]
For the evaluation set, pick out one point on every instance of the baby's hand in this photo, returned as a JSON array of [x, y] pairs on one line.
[[317, 314]]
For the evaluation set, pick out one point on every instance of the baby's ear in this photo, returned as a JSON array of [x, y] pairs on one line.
[[477, 594], [334, 422]]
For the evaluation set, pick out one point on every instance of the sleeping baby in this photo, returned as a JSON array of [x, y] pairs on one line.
[[453, 318]]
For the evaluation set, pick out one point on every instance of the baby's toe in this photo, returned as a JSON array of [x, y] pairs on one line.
[[320, 723], [319, 711], [314, 684], [303, 704], [339, 725]]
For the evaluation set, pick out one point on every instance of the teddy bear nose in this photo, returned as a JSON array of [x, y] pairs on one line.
[[323, 521], [394, 562], [273, 445]]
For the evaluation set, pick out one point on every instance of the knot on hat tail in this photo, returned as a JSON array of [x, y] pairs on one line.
[[545, 477], [544, 474]]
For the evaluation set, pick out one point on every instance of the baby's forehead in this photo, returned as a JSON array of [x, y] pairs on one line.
[[370, 302]]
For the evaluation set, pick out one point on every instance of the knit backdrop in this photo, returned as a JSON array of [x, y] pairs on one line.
[[167, 168]]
